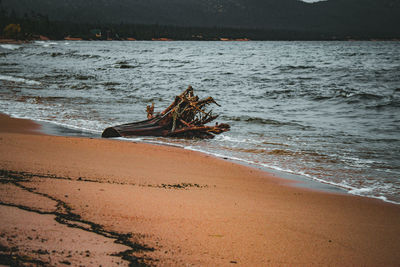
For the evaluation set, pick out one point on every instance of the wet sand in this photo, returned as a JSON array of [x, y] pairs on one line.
[[83, 201]]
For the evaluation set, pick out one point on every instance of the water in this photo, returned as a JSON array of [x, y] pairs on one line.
[[325, 110]]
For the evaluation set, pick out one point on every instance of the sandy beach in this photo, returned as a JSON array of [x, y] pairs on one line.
[[91, 202]]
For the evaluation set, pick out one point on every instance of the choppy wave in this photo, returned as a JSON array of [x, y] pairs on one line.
[[391, 103], [256, 120], [265, 121], [10, 46], [283, 93], [285, 68], [18, 80], [360, 97], [46, 43], [68, 54]]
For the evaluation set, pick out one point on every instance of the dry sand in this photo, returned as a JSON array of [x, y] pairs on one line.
[[65, 200]]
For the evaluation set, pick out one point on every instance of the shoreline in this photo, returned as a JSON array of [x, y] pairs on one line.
[[56, 129], [181, 207]]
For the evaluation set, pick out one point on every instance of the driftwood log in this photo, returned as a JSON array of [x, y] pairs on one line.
[[185, 117]]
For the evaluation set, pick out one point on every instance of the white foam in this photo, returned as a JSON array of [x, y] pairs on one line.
[[230, 139], [364, 192], [45, 42], [10, 46], [361, 191], [223, 137], [133, 139], [18, 80]]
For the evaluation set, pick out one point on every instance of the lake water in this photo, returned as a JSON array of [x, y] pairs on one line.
[[328, 111]]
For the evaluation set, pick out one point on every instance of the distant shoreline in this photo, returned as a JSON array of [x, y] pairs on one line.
[[14, 41]]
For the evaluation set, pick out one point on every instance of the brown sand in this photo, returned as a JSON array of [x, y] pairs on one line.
[[179, 208]]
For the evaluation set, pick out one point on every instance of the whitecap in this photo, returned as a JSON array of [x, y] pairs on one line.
[[18, 80], [228, 138], [10, 46], [361, 191]]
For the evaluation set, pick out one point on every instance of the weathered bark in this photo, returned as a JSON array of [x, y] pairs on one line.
[[185, 117]]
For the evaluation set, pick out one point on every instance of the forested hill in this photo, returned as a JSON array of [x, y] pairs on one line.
[[374, 18]]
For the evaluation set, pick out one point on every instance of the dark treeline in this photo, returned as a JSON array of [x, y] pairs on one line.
[[33, 25]]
